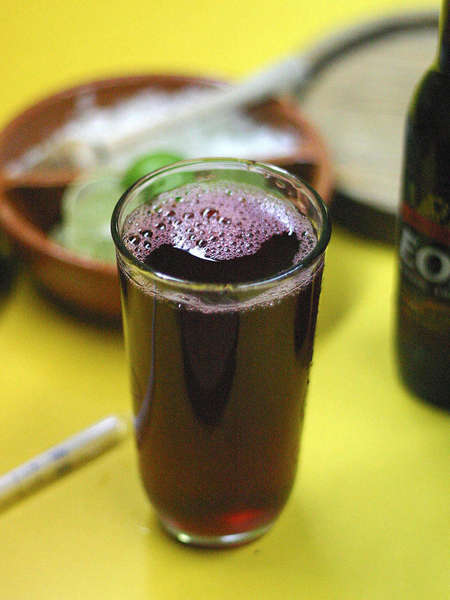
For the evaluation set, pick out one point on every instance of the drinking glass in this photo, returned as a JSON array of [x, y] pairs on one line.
[[219, 371]]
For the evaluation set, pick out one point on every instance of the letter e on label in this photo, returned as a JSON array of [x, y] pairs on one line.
[[407, 247]]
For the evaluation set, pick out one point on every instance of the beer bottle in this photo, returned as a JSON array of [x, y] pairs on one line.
[[423, 302], [7, 266]]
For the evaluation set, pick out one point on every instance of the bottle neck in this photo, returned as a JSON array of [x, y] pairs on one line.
[[443, 55]]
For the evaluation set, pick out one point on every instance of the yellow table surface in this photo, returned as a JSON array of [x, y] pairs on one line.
[[369, 512]]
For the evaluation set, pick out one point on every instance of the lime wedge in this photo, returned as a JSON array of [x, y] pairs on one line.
[[146, 164], [86, 213], [87, 205]]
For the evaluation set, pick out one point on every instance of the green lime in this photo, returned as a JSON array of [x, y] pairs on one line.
[[146, 164], [86, 212], [91, 202], [87, 205]]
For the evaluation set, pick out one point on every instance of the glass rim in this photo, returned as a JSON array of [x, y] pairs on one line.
[[227, 163]]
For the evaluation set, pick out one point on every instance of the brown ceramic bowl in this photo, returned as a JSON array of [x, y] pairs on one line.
[[30, 207]]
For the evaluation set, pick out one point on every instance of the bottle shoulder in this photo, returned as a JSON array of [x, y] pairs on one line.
[[428, 119], [432, 94]]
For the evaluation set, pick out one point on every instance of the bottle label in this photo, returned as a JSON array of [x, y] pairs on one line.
[[424, 262]]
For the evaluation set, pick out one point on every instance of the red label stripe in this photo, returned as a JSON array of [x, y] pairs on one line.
[[437, 232]]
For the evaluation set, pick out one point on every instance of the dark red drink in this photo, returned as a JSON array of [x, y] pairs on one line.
[[219, 379]]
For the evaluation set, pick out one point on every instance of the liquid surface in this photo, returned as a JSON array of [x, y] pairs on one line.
[[219, 233]]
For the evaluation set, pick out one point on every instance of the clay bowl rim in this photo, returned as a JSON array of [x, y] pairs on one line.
[[34, 239]]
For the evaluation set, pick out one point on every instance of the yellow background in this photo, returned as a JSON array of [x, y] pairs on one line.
[[369, 513]]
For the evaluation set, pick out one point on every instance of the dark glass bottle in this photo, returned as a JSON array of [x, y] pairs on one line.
[[423, 303], [8, 266]]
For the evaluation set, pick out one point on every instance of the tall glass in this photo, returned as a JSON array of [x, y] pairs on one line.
[[219, 370]]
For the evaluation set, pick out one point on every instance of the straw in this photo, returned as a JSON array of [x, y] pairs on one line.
[[62, 458]]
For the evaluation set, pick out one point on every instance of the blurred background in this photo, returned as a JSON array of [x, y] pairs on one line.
[[367, 517], [46, 45]]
